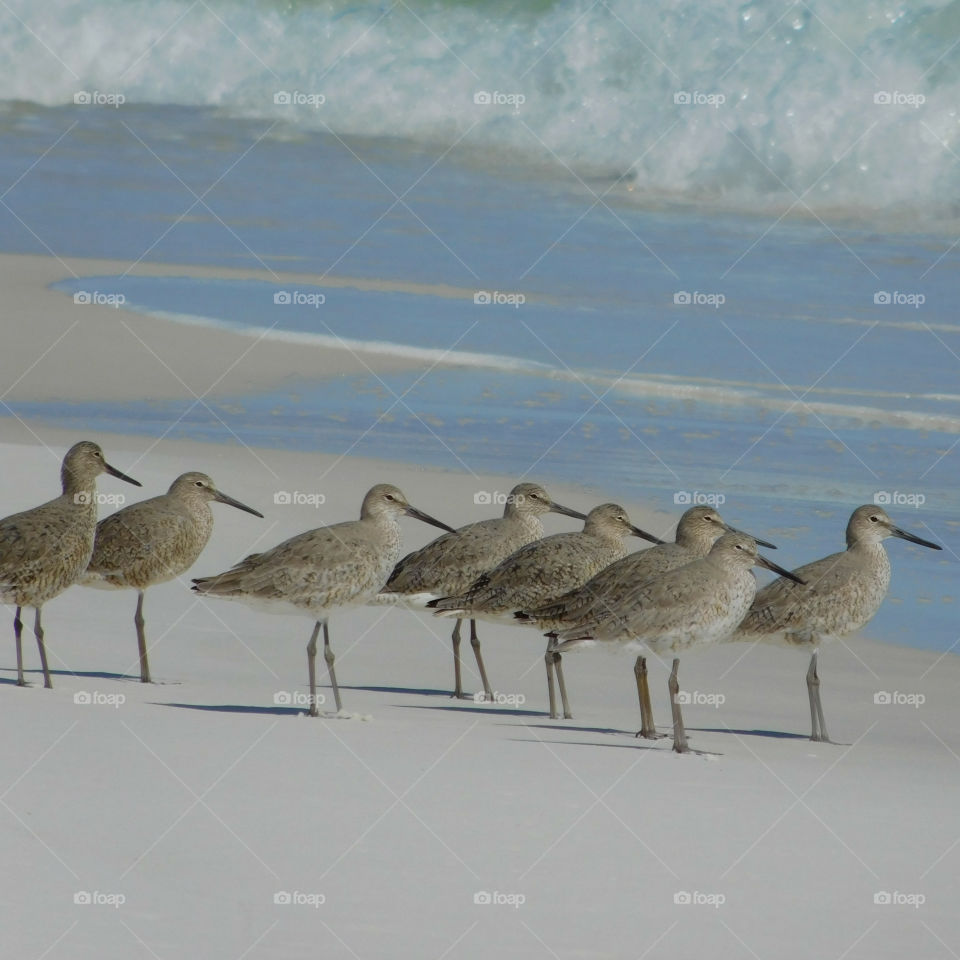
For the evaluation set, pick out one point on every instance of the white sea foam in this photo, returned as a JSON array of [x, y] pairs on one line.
[[842, 107]]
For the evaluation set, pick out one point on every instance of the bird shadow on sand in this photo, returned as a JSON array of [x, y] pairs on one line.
[[277, 711], [35, 677], [412, 691], [773, 734], [466, 706]]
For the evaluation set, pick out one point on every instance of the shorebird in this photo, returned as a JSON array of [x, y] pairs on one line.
[[154, 541], [450, 564], [45, 550], [840, 595], [699, 603], [697, 531], [545, 569], [318, 572]]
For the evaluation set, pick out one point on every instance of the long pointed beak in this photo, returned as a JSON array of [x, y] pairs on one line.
[[760, 543], [903, 535], [643, 535], [426, 518], [776, 568], [114, 472], [566, 511], [230, 502]]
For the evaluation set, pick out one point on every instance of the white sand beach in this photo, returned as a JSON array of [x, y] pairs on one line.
[[204, 816]]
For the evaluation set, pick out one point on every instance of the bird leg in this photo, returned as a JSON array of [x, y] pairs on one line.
[[18, 632], [558, 669], [818, 729], [328, 656], [648, 729], [38, 633], [142, 640], [475, 643], [312, 669], [679, 734], [549, 661], [457, 677]]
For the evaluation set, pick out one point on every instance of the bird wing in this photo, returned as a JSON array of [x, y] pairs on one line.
[[326, 567]]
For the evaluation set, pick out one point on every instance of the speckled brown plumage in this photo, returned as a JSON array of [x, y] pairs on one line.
[[154, 541], [45, 550]]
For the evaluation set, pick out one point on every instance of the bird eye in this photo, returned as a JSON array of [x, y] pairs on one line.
[[199, 483], [874, 519], [390, 496]]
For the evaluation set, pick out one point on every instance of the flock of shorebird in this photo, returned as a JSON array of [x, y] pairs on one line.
[[578, 588]]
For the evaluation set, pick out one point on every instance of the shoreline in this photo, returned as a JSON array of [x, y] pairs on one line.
[[92, 352]]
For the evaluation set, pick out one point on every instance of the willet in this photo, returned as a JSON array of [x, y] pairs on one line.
[[545, 569], [701, 602], [840, 595], [697, 531], [323, 570], [449, 565], [154, 541], [45, 550]]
